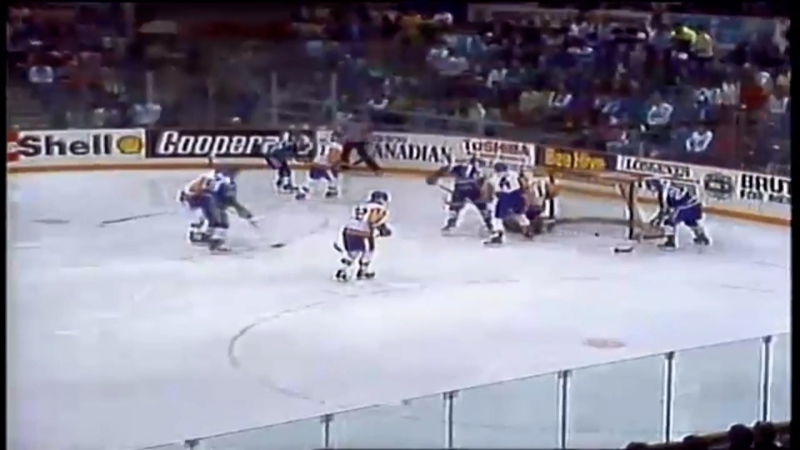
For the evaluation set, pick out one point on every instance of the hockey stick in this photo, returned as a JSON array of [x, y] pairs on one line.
[[628, 248], [625, 248], [322, 226], [131, 218], [658, 220], [444, 188], [255, 226], [450, 191]]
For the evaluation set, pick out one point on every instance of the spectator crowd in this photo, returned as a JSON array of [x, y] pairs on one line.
[[648, 81], [72, 58], [761, 436]]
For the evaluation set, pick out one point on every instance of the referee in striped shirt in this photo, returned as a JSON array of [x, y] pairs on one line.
[[355, 135]]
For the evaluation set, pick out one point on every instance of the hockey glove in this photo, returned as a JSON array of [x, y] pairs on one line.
[[660, 218], [384, 231]]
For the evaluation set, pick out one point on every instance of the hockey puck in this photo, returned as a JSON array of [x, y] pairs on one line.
[[596, 234]]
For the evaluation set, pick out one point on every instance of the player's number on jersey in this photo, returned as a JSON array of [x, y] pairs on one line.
[[360, 213], [672, 190], [541, 189], [677, 192], [504, 184]]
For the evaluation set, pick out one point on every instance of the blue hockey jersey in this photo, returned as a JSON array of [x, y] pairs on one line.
[[467, 176]]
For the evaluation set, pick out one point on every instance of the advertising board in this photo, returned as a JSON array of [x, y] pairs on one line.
[[194, 143], [762, 188], [501, 150], [49, 146], [679, 175], [413, 150], [428, 151], [573, 159], [745, 195], [649, 166], [718, 185]]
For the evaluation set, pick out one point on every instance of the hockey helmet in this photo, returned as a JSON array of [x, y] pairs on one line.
[[379, 197], [500, 167]]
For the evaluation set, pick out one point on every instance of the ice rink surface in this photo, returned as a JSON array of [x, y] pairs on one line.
[[121, 335]]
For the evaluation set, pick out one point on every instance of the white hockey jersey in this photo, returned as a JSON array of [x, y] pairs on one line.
[[507, 183], [202, 184], [366, 218], [330, 157]]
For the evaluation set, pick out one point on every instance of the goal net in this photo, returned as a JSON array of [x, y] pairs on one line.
[[612, 199]]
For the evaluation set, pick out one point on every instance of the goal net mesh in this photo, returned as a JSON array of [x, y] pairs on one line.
[[628, 208]]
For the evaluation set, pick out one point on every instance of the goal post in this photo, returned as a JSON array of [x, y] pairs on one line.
[[640, 225]]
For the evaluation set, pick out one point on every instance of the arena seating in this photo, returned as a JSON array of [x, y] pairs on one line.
[[582, 80], [69, 58]]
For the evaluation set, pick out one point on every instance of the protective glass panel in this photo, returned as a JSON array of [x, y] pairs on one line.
[[716, 387], [300, 435], [412, 424], [781, 391], [514, 414], [613, 404]]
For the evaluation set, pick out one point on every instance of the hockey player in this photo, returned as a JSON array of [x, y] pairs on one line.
[[680, 206], [224, 197], [324, 169], [467, 187], [279, 155], [369, 220], [208, 197], [538, 194], [510, 191], [197, 197]]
